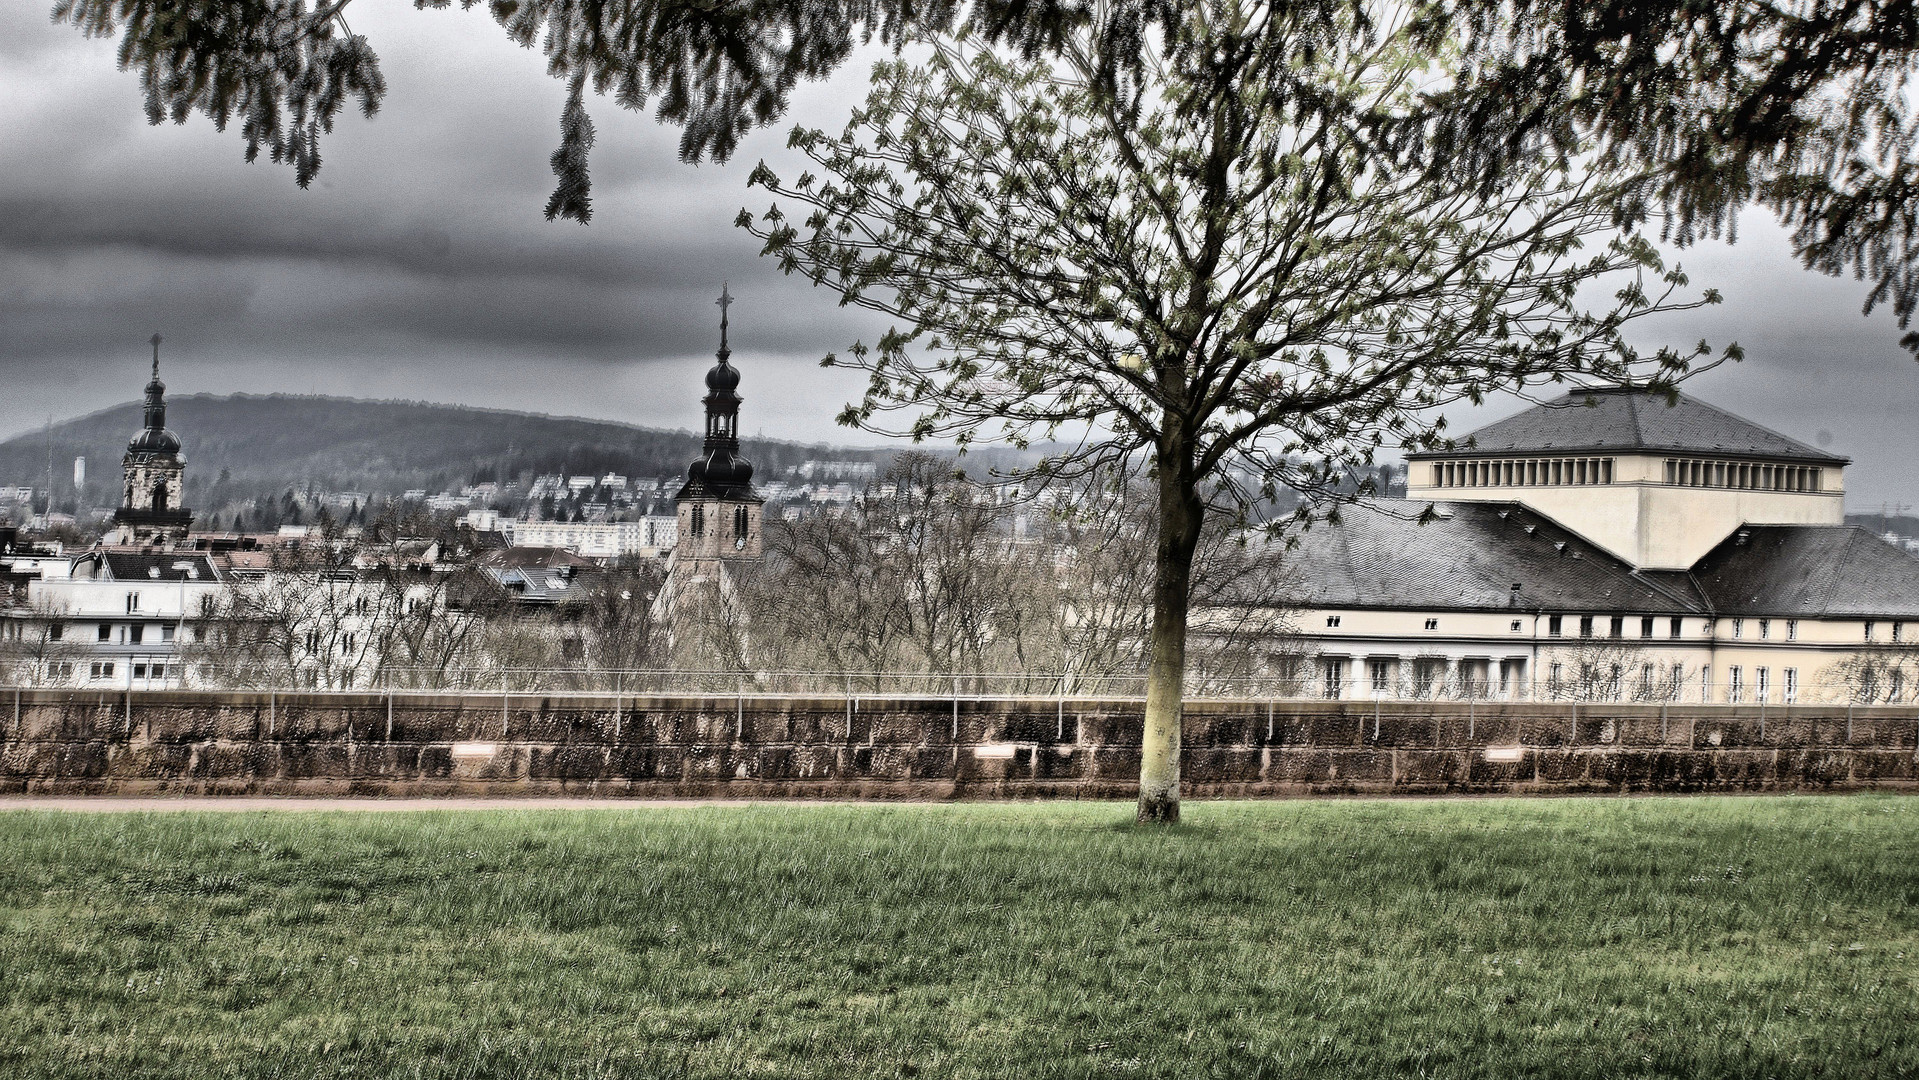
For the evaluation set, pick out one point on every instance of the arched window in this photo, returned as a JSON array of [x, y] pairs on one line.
[[699, 521], [739, 522], [160, 496]]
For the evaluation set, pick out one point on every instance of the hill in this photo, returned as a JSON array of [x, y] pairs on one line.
[[241, 447]]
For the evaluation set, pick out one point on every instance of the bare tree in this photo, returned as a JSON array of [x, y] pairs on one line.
[[34, 647], [1207, 267]]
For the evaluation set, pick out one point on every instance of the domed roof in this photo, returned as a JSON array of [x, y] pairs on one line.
[[724, 469], [154, 441], [723, 376]]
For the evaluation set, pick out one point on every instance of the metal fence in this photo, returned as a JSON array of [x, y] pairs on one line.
[[965, 686]]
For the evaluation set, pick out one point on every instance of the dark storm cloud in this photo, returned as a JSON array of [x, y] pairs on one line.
[[422, 241]]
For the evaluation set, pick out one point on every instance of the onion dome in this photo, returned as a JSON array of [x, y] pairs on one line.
[[154, 438], [723, 378]]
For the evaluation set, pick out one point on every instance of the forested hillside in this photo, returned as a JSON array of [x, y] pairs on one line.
[[252, 446]]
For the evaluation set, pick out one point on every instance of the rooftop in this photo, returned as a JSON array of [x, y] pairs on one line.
[[1475, 556], [1815, 571], [1631, 419]]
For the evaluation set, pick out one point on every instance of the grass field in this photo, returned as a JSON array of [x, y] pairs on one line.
[[1764, 937]]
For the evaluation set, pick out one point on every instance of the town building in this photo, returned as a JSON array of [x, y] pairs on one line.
[[1614, 544], [117, 618], [649, 538]]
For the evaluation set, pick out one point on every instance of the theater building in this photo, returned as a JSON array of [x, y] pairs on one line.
[[1613, 544]]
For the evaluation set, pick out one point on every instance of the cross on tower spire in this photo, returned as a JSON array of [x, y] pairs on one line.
[[156, 356], [725, 301]]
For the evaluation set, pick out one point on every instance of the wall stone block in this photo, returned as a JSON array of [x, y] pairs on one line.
[[899, 747]]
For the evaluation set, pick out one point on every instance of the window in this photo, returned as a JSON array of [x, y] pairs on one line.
[[199, 633], [1792, 629], [100, 669], [1677, 626], [106, 632], [1898, 689], [1868, 629], [1739, 628], [60, 669], [1618, 627], [1645, 626], [739, 522], [1553, 677], [1426, 675], [1382, 676], [1332, 622], [1645, 682], [1735, 684], [1335, 677], [1761, 685], [1516, 624], [56, 631], [699, 521], [1792, 685], [133, 602], [1898, 632], [346, 643], [139, 671], [1765, 629], [1678, 681], [1705, 684], [1553, 625], [1585, 626], [1432, 624], [313, 642], [136, 633], [166, 632]]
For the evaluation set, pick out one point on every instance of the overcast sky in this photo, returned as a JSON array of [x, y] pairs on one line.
[[420, 265]]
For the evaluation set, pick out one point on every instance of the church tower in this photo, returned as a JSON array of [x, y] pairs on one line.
[[151, 511], [719, 514]]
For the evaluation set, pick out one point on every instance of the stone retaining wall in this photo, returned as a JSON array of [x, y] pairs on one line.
[[194, 742]]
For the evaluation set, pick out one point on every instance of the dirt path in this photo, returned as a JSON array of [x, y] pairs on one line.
[[107, 804]]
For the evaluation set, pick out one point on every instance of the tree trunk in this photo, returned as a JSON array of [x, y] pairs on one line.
[[1180, 513]]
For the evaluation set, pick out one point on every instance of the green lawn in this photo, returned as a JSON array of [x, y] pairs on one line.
[[1737, 937]]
